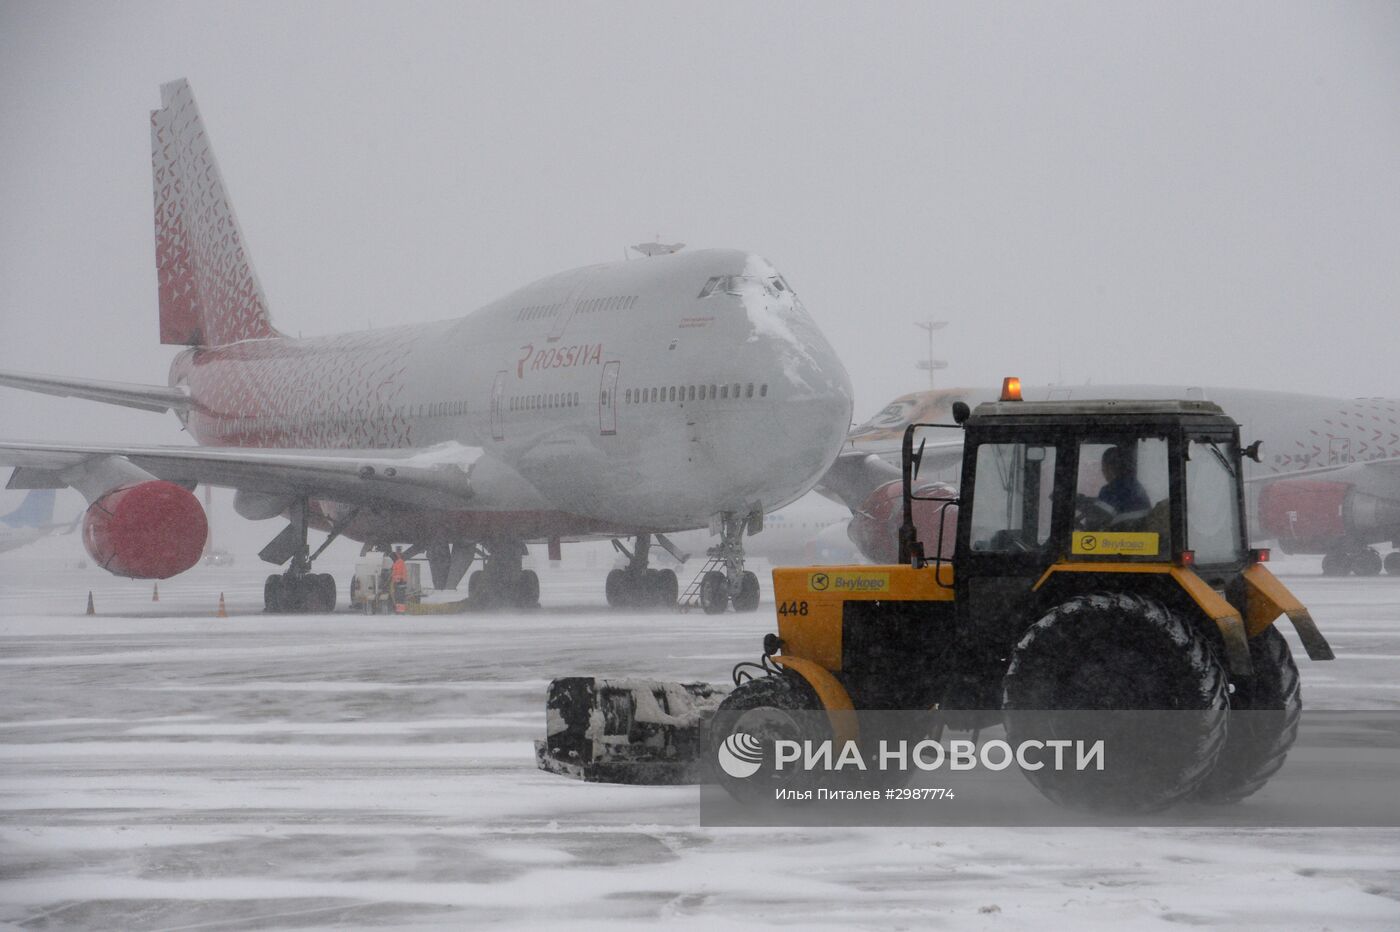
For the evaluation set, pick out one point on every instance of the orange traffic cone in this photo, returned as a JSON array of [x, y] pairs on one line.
[[222, 612], [90, 609], [155, 593]]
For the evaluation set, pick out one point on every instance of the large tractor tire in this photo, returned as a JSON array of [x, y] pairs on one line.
[[747, 723], [1096, 655], [1260, 738]]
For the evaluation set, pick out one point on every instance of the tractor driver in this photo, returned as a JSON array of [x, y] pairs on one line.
[[1121, 492]]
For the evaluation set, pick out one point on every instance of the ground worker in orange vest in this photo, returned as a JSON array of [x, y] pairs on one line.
[[398, 579]]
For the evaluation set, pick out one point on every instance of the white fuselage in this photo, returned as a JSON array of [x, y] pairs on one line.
[[642, 395]]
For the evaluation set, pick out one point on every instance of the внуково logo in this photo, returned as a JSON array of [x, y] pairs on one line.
[[740, 755]]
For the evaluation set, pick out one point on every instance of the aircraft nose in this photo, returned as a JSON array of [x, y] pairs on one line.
[[805, 374]]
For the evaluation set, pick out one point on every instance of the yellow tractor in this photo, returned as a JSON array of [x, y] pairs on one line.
[[1100, 562]]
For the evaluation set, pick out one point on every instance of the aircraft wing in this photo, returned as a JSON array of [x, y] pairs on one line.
[[431, 477], [158, 398], [858, 471]]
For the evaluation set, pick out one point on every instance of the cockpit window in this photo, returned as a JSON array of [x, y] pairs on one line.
[[740, 284]]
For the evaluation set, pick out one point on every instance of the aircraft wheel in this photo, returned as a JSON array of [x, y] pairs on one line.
[[614, 587], [665, 589], [488, 590], [1392, 563], [1366, 563], [746, 599], [1093, 658], [1336, 564], [527, 590], [272, 595], [295, 594], [328, 593], [714, 593]]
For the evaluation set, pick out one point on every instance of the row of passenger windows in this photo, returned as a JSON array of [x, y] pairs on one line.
[[544, 401], [538, 312], [682, 393], [594, 305], [591, 306]]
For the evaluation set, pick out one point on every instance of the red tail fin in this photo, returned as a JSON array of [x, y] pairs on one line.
[[209, 294]]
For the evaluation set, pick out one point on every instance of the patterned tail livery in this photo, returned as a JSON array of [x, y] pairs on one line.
[[209, 294]]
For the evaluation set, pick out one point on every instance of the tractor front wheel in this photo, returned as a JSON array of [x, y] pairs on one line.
[[749, 721]]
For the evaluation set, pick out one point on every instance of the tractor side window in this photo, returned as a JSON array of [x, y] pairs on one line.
[[1212, 511], [1012, 488]]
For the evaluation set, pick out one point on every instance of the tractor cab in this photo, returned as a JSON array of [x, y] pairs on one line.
[[1098, 482], [1059, 498]]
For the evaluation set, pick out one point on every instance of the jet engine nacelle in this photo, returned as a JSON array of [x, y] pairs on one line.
[[874, 527], [150, 530], [1316, 515]]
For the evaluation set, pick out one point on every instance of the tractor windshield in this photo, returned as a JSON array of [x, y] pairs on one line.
[[1212, 502]]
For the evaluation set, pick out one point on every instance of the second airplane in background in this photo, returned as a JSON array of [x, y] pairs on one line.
[[1327, 481]]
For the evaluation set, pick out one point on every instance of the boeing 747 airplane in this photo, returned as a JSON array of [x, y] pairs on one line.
[[629, 399]]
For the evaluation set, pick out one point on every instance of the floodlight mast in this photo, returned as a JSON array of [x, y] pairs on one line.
[[929, 364]]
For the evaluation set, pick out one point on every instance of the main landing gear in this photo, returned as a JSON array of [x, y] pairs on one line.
[[298, 590], [503, 582], [725, 581], [1363, 561], [637, 586]]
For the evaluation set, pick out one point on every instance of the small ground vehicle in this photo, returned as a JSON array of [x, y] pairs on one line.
[[370, 590], [1100, 563]]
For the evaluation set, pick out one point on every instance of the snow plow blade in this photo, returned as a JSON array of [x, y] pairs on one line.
[[626, 731]]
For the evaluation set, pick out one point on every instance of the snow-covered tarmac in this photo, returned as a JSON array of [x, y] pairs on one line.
[[163, 768]]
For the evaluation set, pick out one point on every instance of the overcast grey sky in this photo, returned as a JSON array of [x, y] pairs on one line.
[[1198, 193]]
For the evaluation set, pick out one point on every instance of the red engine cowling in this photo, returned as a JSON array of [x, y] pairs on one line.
[[1304, 515], [1319, 515], [152, 530], [874, 528]]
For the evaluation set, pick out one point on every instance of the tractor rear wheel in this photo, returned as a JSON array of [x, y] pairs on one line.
[[1271, 703], [1093, 658], [749, 721]]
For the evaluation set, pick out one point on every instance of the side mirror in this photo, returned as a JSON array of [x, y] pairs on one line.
[[1252, 451], [961, 412]]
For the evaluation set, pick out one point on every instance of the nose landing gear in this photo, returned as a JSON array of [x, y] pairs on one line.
[[503, 582], [724, 581]]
